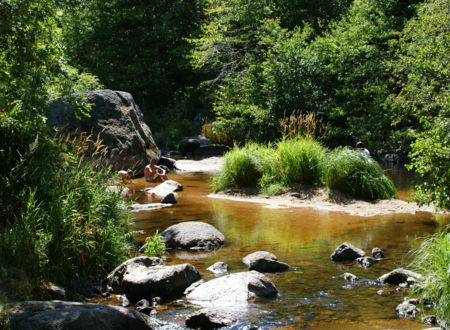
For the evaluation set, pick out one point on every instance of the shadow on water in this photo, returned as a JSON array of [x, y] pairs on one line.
[[304, 238]]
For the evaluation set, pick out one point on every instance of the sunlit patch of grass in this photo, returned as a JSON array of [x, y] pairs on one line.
[[432, 260], [361, 177]]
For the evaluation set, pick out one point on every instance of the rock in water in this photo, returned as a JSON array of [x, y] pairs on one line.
[[400, 275], [377, 253], [116, 119], [263, 261], [234, 288], [193, 235], [209, 319], [48, 315], [144, 278], [345, 252], [408, 308], [218, 268]]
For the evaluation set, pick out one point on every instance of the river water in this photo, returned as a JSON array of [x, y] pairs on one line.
[[310, 295]]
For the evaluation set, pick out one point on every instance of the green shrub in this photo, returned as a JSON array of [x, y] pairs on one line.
[[155, 246], [349, 172], [301, 160], [241, 169], [432, 259]]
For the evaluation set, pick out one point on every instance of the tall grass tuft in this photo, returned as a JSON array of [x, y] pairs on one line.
[[349, 172], [155, 246], [301, 161], [432, 259], [241, 169]]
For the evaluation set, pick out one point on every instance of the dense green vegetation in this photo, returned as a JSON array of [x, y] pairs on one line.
[[432, 259], [303, 161], [155, 246], [58, 222]]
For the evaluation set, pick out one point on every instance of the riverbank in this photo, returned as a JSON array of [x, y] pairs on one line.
[[323, 200]]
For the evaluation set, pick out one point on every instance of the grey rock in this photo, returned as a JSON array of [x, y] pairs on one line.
[[193, 235], [116, 119], [263, 261], [56, 315], [345, 252], [218, 268], [377, 253], [234, 288], [143, 306], [145, 277], [407, 309], [209, 319], [211, 150], [55, 292], [168, 162], [163, 189], [188, 145], [146, 207], [429, 320], [169, 199], [349, 277], [366, 262], [399, 275]]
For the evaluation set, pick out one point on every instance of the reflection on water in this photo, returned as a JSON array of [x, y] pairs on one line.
[[304, 238]]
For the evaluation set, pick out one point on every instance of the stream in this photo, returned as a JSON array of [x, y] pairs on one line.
[[310, 295]]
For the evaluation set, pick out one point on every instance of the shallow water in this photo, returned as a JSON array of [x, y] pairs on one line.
[[304, 238]]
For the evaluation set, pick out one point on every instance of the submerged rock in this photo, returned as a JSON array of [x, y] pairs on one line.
[[209, 319], [218, 268], [146, 277], [146, 207], [116, 119], [165, 191], [233, 288], [55, 315], [193, 235], [346, 252], [366, 262], [263, 261], [408, 308], [377, 253], [400, 275], [429, 320]]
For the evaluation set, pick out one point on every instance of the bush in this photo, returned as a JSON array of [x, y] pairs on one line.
[[241, 169], [432, 259], [349, 172], [155, 246], [301, 161]]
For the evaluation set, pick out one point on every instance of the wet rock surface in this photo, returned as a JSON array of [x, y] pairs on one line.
[[377, 253], [218, 268], [234, 288], [209, 319], [400, 275], [116, 119], [146, 207], [346, 252], [366, 262], [193, 235], [163, 190], [146, 277], [408, 308], [56, 315], [263, 261]]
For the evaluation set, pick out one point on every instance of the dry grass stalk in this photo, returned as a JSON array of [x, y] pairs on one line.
[[301, 124]]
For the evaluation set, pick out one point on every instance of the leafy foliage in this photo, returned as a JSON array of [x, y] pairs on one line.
[[155, 246]]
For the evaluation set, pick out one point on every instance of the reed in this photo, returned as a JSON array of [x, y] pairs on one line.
[[349, 172], [432, 259]]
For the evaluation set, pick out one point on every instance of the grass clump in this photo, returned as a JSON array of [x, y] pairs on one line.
[[301, 160], [432, 260], [304, 161], [361, 177], [241, 169], [155, 246]]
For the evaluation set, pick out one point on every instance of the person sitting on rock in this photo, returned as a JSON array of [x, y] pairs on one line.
[[125, 175], [153, 173], [361, 148]]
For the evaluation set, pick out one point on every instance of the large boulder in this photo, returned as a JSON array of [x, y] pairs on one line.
[[237, 287], [193, 235], [211, 150], [116, 119], [145, 277], [164, 188], [346, 252], [188, 145], [263, 261], [400, 275], [59, 315]]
